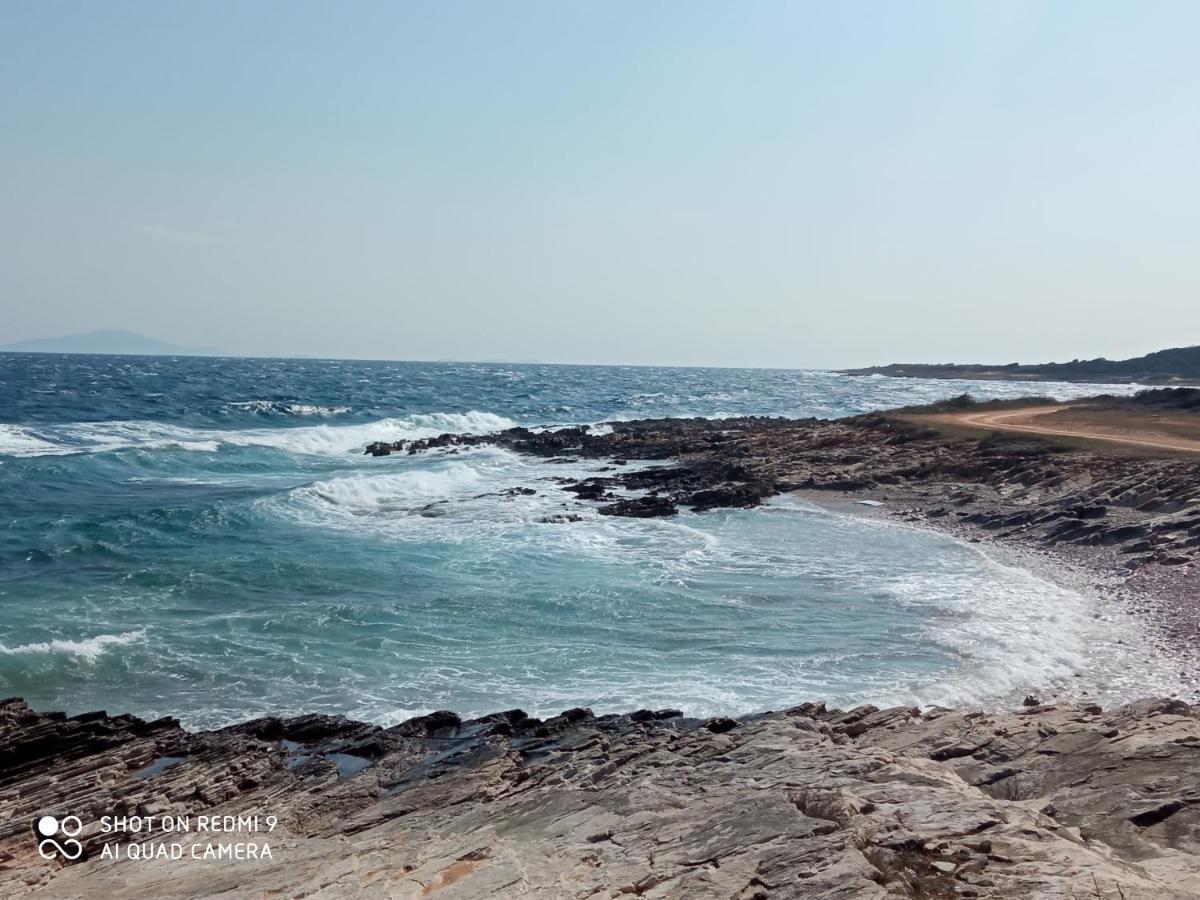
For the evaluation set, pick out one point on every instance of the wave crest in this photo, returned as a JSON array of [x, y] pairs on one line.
[[313, 440], [338, 440], [364, 494], [87, 649], [18, 441], [287, 408]]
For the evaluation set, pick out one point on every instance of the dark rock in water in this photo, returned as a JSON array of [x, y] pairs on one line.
[[591, 489], [1031, 700], [721, 724], [508, 493], [654, 715], [560, 518], [640, 508], [745, 494]]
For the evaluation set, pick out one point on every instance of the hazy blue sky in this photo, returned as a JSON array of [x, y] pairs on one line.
[[781, 184]]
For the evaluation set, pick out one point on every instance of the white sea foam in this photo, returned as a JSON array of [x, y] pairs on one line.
[[369, 493], [87, 649], [100, 437], [1045, 638], [1015, 632], [313, 440], [339, 440], [473, 422], [476, 494], [18, 441], [286, 408]]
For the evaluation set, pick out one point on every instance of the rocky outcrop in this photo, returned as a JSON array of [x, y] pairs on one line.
[[640, 507], [1050, 801]]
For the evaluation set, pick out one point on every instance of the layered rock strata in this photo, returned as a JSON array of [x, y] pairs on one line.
[[1049, 801]]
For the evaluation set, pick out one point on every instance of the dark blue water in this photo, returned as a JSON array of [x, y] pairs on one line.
[[203, 537]]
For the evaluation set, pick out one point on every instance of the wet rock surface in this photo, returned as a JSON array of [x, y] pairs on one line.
[[1048, 801]]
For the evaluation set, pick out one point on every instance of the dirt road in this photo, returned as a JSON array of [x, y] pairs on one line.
[[1075, 421]]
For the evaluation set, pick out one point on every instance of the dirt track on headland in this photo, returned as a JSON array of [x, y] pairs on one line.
[[1105, 430]]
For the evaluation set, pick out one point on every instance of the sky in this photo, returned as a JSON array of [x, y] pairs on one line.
[[762, 184]]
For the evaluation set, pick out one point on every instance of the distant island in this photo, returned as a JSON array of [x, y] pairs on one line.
[[1180, 365], [118, 343]]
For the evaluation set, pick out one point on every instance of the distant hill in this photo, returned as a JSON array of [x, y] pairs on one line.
[[1180, 365], [124, 343]]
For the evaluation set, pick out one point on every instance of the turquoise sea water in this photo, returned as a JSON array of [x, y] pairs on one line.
[[204, 538]]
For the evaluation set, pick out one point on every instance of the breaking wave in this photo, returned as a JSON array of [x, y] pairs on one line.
[[338, 440], [366, 494], [88, 649], [318, 440], [286, 408], [18, 441]]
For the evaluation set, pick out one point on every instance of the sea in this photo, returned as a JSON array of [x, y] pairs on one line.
[[204, 538]]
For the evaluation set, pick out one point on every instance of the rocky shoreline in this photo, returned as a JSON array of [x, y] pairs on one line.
[[1049, 801]]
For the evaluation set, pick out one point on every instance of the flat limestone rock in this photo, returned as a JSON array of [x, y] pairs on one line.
[[1049, 801]]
